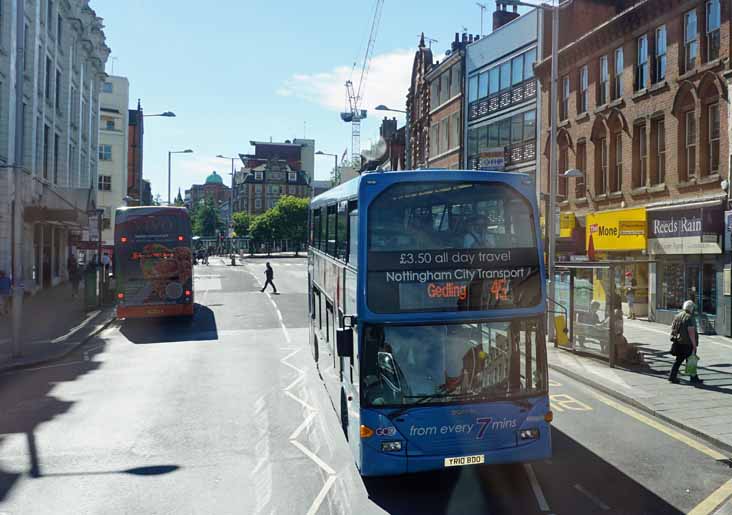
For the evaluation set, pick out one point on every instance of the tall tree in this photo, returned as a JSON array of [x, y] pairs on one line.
[[241, 222], [291, 217], [206, 219]]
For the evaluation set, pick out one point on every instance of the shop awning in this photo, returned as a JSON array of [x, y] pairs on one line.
[[691, 204]]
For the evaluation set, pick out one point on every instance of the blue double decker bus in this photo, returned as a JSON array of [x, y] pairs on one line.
[[427, 309]]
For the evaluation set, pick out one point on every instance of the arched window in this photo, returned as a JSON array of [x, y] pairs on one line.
[[709, 95], [600, 143], [688, 133]]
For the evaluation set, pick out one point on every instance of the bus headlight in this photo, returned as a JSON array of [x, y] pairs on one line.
[[391, 446], [529, 434]]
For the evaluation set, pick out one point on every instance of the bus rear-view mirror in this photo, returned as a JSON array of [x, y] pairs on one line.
[[344, 342]]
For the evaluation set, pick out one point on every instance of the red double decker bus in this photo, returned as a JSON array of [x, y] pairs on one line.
[[153, 262]]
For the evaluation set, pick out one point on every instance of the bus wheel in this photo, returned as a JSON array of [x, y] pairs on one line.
[[344, 413]]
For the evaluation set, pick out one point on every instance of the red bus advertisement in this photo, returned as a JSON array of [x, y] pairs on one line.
[[153, 264]]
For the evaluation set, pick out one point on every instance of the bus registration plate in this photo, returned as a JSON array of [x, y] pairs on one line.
[[465, 460]]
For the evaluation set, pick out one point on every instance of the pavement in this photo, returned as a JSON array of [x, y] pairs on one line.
[[228, 415], [704, 410], [53, 324]]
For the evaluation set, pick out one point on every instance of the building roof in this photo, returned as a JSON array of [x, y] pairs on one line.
[[214, 178], [276, 144]]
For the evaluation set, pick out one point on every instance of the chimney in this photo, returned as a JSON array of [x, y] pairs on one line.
[[502, 15], [455, 44], [464, 38], [477, 37]]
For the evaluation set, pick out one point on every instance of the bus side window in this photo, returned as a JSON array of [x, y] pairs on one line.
[[353, 234], [323, 223], [341, 232], [330, 248], [315, 228]]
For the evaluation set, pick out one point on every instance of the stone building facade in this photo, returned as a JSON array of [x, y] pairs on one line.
[[52, 68], [418, 108]]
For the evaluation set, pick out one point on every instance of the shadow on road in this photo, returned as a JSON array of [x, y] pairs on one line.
[[167, 330], [506, 488], [26, 401]]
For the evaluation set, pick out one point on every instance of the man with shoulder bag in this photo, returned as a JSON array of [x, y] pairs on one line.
[[684, 341]]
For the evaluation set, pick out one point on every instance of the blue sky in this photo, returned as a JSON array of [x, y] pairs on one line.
[[238, 70]]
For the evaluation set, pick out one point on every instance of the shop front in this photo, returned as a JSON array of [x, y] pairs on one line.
[[686, 243], [620, 235], [571, 240]]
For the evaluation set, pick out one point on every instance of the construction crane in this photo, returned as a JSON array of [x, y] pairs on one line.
[[354, 114]]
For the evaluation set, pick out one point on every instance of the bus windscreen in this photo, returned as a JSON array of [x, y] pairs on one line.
[[451, 247]]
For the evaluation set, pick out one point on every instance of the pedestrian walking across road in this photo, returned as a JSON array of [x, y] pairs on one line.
[[685, 339], [269, 274]]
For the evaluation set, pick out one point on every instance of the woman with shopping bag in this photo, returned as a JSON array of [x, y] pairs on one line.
[[684, 341]]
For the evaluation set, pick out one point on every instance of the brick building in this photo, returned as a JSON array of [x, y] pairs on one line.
[[446, 82], [643, 108], [135, 139], [418, 108], [214, 188]]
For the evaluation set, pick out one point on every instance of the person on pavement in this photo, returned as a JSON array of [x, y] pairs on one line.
[[5, 292], [630, 285], [685, 340], [269, 274]]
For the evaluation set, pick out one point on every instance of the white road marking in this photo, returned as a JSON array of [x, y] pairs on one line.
[[321, 496], [314, 457], [536, 487], [297, 399], [293, 383], [301, 427], [77, 328], [591, 497]]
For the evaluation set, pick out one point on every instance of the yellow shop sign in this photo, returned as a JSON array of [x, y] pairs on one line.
[[567, 223], [624, 229]]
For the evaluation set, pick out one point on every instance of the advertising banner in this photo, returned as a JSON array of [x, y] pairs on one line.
[[621, 230], [685, 231]]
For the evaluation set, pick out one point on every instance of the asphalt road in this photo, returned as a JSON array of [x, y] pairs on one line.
[[228, 415]]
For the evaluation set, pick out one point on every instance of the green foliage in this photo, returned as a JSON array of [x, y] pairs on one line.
[[241, 221], [206, 220], [263, 228], [288, 220]]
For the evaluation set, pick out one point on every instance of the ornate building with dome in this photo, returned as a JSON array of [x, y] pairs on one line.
[[214, 187]]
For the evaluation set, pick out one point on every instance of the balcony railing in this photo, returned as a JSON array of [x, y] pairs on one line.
[[503, 100]]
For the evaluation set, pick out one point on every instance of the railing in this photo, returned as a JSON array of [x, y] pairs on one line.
[[502, 100]]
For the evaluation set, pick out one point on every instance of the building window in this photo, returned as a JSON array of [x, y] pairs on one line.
[[494, 81], [581, 164], [105, 183], [258, 176], [26, 53], [483, 85], [713, 19], [618, 85], [257, 203], [56, 147], [562, 166], [530, 126], [617, 180], [454, 130], [517, 129], [46, 150], [529, 58], [713, 123], [506, 75], [435, 93], [434, 139], [107, 87], [455, 79], [105, 152], [444, 134], [604, 83], [58, 89], [517, 70], [641, 65], [473, 88], [444, 87], [110, 124], [292, 176], [564, 105], [690, 40], [658, 140], [258, 189], [690, 144], [49, 78], [59, 28], [584, 84], [601, 166], [640, 157], [660, 68]]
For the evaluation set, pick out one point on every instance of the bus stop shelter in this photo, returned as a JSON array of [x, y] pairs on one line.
[[588, 316]]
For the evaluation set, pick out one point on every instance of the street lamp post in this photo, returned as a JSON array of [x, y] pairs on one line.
[[407, 146], [231, 196], [553, 154], [166, 114], [170, 153], [336, 173]]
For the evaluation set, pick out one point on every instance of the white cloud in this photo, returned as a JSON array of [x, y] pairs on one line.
[[387, 83]]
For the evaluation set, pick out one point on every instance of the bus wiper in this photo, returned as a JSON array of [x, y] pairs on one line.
[[426, 398]]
